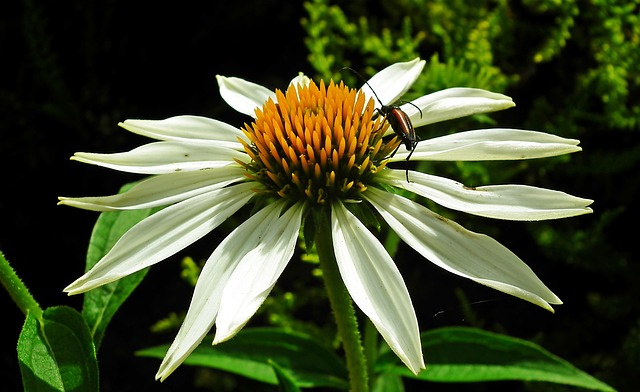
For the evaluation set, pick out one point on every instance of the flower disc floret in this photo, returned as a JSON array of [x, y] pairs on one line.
[[316, 143]]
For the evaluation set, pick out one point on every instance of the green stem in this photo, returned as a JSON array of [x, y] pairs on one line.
[[343, 310], [17, 290], [370, 344]]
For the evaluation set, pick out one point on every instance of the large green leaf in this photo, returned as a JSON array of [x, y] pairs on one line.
[[252, 352], [100, 304], [57, 355], [387, 382], [286, 383], [462, 354]]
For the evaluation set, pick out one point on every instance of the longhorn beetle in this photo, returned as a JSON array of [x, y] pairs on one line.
[[398, 120]]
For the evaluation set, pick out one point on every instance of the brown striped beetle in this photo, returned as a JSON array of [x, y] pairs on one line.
[[399, 122]]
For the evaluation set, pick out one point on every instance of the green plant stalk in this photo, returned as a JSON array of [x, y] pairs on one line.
[[17, 290], [343, 311], [370, 345]]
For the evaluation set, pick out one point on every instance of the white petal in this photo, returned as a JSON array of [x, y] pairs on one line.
[[454, 103], [300, 80], [257, 272], [163, 234], [376, 286], [460, 251], [213, 278], [242, 95], [512, 202], [491, 145], [161, 190], [392, 82], [188, 129], [165, 157], [462, 92]]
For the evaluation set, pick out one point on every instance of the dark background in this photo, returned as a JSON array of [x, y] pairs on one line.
[[71, 70]]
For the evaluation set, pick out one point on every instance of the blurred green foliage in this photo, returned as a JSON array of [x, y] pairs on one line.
[[573, 68]]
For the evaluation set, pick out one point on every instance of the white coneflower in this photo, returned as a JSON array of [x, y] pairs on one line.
[[310, 151]]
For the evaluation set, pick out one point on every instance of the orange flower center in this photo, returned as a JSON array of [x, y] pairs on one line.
[[317, 143]]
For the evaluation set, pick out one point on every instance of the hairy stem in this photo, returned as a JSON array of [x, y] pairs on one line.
[[343, 311]]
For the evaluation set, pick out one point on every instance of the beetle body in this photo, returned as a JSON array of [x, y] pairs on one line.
[[401, 125], [399, 122]]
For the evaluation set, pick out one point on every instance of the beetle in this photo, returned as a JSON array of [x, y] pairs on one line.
[[398, 120]]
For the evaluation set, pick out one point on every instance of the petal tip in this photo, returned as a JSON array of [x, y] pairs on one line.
[[71, 290], [162, 375], [417, 369]]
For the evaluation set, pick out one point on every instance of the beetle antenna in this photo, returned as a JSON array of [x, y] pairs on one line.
[[365, 81], [373, 91]]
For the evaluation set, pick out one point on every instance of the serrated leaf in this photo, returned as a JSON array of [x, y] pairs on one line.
[[100, 304], [461, 354], [58, 355], [248, 354]]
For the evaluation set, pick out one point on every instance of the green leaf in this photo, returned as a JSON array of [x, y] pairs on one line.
[[248, 354], [286, 383], [387, 382], [462, 354], [100, 304], [57, 355]]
